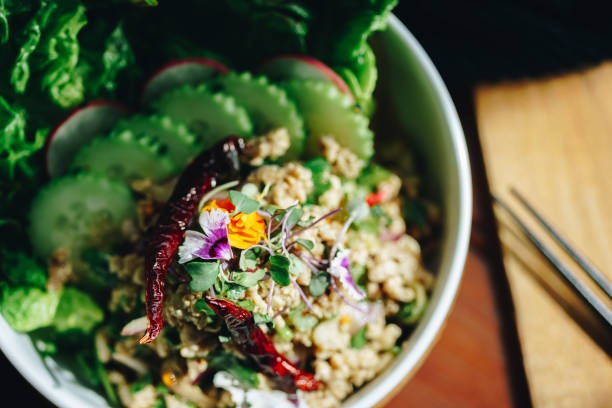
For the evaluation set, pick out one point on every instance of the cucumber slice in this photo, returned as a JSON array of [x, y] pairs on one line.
[[326, 112], [79, 211], [210, 116], [172, 137], [268, 107], [125, 157]]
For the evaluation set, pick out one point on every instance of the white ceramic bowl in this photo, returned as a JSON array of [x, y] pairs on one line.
[[416, 100]]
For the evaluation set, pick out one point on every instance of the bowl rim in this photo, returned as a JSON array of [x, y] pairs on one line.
[[423, 339]]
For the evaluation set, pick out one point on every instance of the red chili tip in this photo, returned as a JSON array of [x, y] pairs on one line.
[[306, 382], [223, 308]]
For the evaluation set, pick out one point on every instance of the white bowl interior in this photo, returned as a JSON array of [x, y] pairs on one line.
[[417, 101]]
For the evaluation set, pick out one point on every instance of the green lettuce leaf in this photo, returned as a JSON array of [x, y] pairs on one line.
[[28, 308], [22, 270], [77, 311]]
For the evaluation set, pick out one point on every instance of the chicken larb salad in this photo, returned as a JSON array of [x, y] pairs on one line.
[[219, 236]]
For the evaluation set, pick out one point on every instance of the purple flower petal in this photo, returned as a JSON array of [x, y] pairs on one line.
[[339, 268], [216, 244]]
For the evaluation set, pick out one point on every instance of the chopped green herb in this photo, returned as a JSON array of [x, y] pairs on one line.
[[294, 217], [279, 269], [261, 318], [22, 270], [250, 190], [109, 388], [224, 339], [359, 340], [246, 304], [242, 202], [415, 213], [318, 284], [319, 167], [411, 312], [301, 318], [203, 275], [284, 333]]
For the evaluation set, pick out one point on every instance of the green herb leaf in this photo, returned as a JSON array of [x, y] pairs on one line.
[[261, 318], [249, 259], [301, 318], [279, 269], [243, 203], [306, 243], [359, 340], [202, 306], [296, 265], [294, 217], [246, 304], [318, 284], [234, 292], [203, 274], [224, 339], [248, 279]]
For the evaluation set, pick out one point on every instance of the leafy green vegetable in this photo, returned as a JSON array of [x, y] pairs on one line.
[[248, 279], [22, 270], [108, 387], [32, 33], [294, 217], [239, 368], [77, 311], [359, 340], [14, 146], [243, 203], [27, 308], [318, 284], [117, 56], [279, 269], [203, 274], [301, 318]]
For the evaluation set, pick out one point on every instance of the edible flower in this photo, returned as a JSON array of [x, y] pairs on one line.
[[244, 230], [213, 243], [339, 268]]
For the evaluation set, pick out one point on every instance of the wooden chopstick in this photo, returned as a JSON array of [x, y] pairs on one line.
[[570, 277], [584, 263]]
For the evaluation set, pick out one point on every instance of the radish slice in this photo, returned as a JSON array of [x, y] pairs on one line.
[[190, 71], [136, 326], [80, 127], [296, 66]]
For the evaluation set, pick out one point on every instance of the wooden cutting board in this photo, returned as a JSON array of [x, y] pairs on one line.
[[552, 140]]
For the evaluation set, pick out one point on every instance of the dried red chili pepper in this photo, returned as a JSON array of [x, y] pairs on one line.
[[252, 341], [217, 165]]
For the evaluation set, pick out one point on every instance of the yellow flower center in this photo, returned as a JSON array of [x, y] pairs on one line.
[[244, 230]]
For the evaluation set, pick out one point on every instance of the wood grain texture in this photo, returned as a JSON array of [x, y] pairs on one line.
[[552, 140]]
